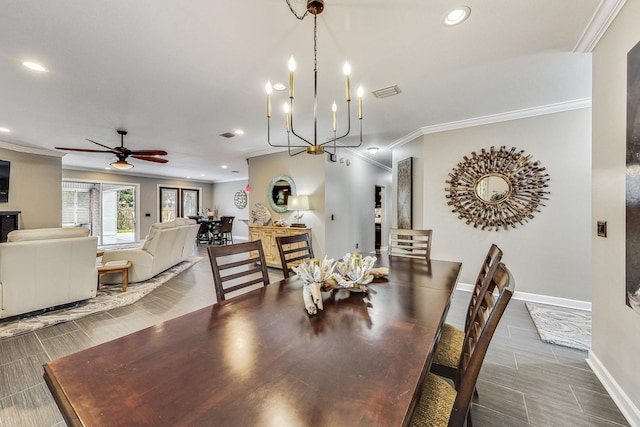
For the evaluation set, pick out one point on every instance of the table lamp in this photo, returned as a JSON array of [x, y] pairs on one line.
[[298, 203]]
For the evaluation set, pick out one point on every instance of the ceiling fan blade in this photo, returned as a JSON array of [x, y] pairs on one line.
[[86, 150], [150, 159], [149, 152], [105, 146]]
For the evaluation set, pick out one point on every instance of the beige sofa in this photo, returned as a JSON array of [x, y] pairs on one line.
[[46, 267], [167, 244]]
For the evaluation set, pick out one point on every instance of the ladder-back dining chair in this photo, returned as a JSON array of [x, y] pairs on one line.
[[237, 266], [223, 233], [447, 354], [293, 249], [442, 404], [410, 242]]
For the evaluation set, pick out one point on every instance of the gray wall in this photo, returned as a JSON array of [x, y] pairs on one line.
[[616, 327], [223, 200], [551, 254], [148, 191], [308, 174], [346, 192], [35, 188]]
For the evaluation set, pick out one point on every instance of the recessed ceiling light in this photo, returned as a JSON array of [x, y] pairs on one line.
[[188, 177], [372, 150], [35, 66], [238, 132], [202, 174], [223, 166], [457, 15], [5, 130], [279, 86]]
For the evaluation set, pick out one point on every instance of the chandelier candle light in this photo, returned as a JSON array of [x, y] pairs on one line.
[[314, 7]]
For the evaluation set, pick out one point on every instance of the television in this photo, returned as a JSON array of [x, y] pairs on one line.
[[5, 167]]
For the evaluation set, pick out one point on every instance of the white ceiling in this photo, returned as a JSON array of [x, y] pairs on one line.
[[177, 74]]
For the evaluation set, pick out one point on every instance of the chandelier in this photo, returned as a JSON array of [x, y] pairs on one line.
[[314, 7]]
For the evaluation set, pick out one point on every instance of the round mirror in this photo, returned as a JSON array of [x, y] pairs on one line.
[[497, 188], [280, 188], [493, 188]]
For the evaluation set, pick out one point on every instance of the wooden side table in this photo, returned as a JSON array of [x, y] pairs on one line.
[[122, 268]]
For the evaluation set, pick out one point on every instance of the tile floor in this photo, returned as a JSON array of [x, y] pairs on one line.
[[523, 381]]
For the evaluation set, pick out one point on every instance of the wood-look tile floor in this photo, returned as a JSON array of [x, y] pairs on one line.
[[523, 380]]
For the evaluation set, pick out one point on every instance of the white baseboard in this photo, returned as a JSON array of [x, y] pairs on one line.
[[542, 299], [620, 398]]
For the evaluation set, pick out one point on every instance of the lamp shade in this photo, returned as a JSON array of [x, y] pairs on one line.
[[122, 165], [298, 203]]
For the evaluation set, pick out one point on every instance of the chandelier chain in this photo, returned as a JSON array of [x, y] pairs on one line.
[[315, 43], [300, 17]]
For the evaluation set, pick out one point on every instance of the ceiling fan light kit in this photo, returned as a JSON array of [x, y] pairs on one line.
[[122, 165], [122, 153], [311, 146]]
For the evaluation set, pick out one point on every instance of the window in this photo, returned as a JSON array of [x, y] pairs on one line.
[[178, 203]]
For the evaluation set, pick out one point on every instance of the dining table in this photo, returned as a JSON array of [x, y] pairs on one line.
[[259, 359]]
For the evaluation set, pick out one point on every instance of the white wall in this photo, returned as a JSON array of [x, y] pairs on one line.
[[350, 198], [616, 327], [223, 200], [551, 254]]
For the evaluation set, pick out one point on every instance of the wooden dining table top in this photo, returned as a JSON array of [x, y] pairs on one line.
[[259, 359]]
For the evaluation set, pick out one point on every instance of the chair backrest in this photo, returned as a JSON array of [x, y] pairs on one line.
[[226, 224], [293, 249], [477, 339], [237, 266], [487, 271], [410, 243]]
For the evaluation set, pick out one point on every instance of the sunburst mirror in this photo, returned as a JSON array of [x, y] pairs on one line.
[[498, 188]]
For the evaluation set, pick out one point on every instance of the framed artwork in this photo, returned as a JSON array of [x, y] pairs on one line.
[[632, 241], [405, 193]]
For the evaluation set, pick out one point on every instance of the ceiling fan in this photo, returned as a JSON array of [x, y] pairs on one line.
[[123, 152]]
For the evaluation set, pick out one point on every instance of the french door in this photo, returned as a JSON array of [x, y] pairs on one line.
[[109, 210]]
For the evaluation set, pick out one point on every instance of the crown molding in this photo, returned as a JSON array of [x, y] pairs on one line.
[[598, 25], [29, 150], [494, 118]]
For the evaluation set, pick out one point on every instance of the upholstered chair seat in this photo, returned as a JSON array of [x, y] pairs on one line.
[[436, 409], [449, 347]]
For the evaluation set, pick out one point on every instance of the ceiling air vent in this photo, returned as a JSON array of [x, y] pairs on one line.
[[228, 134], [386, 91]]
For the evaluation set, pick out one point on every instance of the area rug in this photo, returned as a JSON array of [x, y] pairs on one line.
[[108, 297], [562, 326]]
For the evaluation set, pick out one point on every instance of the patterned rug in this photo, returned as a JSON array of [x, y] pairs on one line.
[[107, 298], [562, 326]]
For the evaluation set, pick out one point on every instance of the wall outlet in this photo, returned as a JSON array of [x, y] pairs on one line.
[[602, 228]]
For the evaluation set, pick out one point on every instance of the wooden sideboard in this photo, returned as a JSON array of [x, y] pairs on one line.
[[268, 236]]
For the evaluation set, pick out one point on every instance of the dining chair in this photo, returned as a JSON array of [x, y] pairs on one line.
[[237, 266], [204, 236], [443, 404], [223, 231], [293, 249], [410, 242], [449, 348]]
